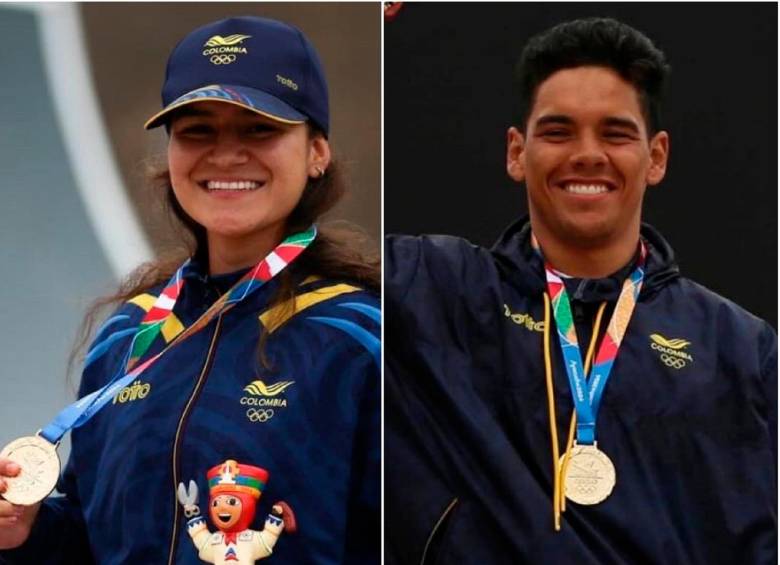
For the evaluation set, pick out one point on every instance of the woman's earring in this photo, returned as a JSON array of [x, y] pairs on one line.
[[320, 172]]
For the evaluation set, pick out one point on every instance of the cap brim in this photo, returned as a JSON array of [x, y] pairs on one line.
[[249, 98]]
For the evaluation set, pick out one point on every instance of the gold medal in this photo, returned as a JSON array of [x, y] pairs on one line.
[[589, 476], [40, 469]]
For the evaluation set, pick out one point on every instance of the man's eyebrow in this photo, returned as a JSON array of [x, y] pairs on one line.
[[559, 119], [614, 121]]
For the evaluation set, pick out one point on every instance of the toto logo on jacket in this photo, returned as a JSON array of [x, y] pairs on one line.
[[263, 400], [671, 352], [524, 320], [135, 391]]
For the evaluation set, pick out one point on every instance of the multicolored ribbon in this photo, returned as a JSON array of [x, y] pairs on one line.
[[153, 321], [78, 413], [587, 392]]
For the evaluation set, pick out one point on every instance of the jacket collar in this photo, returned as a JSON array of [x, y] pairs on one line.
[[518, 262]]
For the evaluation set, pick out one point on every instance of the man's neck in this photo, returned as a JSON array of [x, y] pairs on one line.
[[588, 262]]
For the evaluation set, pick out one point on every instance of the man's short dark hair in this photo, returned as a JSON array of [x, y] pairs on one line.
[[602, 42]]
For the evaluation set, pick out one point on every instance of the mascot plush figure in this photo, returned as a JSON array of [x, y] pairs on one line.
[[234, 489]]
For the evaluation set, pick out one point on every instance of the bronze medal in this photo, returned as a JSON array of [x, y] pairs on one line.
[[589, 476], [40, 469]]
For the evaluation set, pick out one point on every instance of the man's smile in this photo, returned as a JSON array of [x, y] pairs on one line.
[[586, 188]]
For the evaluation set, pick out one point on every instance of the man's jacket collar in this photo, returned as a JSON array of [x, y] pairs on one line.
[[518, 262]]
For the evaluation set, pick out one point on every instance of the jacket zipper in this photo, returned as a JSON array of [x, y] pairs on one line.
[[436, 526], [178, 439]]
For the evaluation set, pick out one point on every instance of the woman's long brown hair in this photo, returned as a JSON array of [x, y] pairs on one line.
[[338, 251]]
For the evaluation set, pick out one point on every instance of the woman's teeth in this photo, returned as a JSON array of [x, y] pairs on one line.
[[232, 185], [586, 188]]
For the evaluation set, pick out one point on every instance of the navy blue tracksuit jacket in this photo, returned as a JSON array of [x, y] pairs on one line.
[[689, 416], [201, 404]]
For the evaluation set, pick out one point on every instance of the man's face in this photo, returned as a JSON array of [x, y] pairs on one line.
[[586, 158]]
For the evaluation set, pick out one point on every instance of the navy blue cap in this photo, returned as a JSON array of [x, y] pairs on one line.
[[263, 65]]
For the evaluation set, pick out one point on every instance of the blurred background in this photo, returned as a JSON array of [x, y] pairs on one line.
[[449, 102], [79, 81]]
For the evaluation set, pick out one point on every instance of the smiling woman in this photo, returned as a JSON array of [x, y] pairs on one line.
[[240, 175], [262, 347]]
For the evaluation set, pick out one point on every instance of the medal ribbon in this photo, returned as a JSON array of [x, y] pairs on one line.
[[81, 411], [587, 392]]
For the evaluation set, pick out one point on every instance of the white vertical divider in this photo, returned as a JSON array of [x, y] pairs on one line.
[[89, 150]]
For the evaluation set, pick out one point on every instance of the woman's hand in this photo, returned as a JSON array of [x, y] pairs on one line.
[[15, 521]]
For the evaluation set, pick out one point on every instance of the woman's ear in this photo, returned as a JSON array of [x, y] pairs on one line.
[[319, 156]]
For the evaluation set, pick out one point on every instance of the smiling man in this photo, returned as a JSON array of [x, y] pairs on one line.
[[587, 155], [568, 396]]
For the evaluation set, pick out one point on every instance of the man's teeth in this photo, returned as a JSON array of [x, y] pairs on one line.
[[586, 188], [232, 185]]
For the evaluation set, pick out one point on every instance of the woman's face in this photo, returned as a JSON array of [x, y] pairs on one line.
[[240, 174]]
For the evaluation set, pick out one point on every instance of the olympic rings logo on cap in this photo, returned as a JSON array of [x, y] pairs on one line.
[[222, 59], [259, 414]]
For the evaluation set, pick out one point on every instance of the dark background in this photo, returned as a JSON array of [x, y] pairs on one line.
[[448, 104]]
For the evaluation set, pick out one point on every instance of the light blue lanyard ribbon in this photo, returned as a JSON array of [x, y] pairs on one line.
[[78, 413], [587, 393]]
